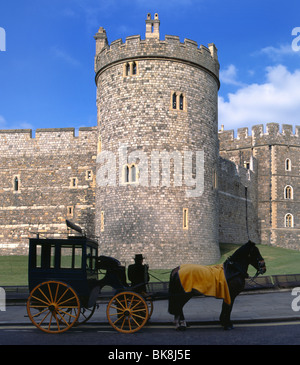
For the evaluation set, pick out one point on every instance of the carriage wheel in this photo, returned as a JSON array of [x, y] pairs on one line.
[[127, 312], [86, 314], [53, 307], [150, 306]]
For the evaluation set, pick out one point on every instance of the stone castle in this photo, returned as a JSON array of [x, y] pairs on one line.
[[155, 176]]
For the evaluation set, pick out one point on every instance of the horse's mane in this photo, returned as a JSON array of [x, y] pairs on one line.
[[242, 251]]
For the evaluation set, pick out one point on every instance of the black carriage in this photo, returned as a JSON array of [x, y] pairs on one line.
[[64, 285]]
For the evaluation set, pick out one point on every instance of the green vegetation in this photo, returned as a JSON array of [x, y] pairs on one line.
[[279, 261], [13, 270]]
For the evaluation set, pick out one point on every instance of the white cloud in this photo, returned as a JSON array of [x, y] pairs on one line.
[[229, 76], [16, 125], [277, 53], [276, 100]]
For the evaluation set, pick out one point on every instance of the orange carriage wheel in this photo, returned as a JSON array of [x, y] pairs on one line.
[[53, 307], [127, 312], [149, 302]]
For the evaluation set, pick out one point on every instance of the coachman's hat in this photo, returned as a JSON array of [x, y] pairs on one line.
[[139, 257]]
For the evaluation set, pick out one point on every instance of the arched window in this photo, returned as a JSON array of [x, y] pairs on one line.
[[174, 101], [181, 101], [133, 68], [127, 171], [289, 220], [133, 173], [127, 69], [130, 174], [288, 192], [178, 101], [16, 183], [288, 165]]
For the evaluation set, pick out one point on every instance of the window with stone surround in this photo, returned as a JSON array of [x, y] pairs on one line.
[[289, 220], [130, 174], [288, 165], [70, 211], [288, 192], [185, 218], [178, 101], [73, 182], [102, 221], [130, 69], [16, 183], [89, 175]]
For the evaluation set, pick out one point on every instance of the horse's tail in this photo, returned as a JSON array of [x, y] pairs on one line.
[[174, 289]]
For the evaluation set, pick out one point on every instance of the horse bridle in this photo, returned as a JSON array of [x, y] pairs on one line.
[[261, 268], [260, 271]]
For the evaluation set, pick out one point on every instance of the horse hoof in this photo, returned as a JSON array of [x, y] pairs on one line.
[[181, 326], [228, 328]]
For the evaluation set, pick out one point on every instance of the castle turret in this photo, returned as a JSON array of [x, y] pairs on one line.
[[157, 123]]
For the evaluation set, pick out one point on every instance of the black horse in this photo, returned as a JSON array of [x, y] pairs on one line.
[[235, 270]]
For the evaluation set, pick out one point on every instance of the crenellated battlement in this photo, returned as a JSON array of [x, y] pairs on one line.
[[171, 48], [14, 141], [271, 134]]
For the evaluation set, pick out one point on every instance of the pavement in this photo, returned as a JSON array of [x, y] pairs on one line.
[[249, 307]]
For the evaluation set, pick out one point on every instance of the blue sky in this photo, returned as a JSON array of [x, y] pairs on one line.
[[47, 70]]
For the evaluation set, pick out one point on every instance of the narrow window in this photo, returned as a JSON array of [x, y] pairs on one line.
[[288, 165], [181, 102], [127, 72], [89, 175], [70, 211], [133, 68], [185, 218], [130, 174], [102, 222], [174, 101], [127, 171], [289, 221], [16, 183], [215, 179], [133, 173], [73, 182], [288, 192]]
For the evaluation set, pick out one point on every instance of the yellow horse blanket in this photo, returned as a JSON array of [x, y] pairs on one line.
[[208, 280]]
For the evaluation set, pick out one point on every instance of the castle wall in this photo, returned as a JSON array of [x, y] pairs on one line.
[[271, 148], [136, 111], [55, 174], [237, 189]]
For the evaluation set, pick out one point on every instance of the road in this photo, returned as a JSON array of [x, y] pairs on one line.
[[281, 333]]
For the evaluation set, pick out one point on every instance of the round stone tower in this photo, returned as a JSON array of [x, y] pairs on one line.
[[158, 152]]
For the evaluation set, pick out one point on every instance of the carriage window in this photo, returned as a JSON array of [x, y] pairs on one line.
[[91, 258], [71, 257], [52, 257], [44, 256], [38, 256]]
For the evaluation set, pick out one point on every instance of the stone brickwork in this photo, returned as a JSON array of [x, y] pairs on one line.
[[238, 202], [137, 81], [55, 174], [154, 176], [271, 149]]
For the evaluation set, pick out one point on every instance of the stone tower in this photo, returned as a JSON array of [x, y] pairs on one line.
[[158, 151]]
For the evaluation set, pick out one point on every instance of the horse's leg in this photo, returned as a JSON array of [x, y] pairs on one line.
[[179, 316], [235, 286]]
